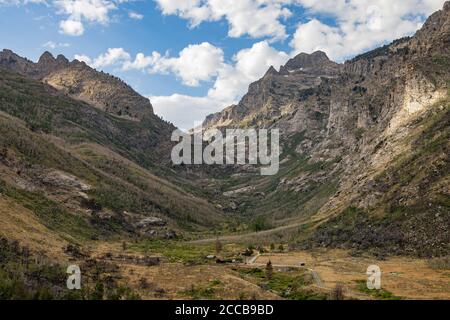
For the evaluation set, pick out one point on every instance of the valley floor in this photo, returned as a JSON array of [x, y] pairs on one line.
[[180, 276], [191, 270]]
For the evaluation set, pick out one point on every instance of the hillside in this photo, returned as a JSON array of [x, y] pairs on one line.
[[86, 173]]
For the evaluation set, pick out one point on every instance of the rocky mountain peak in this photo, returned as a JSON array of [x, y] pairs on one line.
[[316, 61], [274, 93], [47, 63], [12, 61], [46, 58], [62, 58], [6, 53], [271, 71], [435, 33]]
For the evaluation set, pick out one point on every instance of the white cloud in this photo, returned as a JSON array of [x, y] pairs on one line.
[[249, 65], [90, 10], [113, 56], [184, 111], [18, 2], [195, 63], [79, 11], [256, 18], [141, 61], [360, 25], [54, 45], [135, 15], [71, 27], [83, 58]]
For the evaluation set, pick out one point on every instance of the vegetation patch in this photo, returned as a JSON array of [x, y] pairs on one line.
[[203, 292], [177, 251], [292, 284], [24, 276], [379, 294]]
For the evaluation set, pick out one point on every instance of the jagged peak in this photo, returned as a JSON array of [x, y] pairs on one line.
[[271, 71], [46, 57], [304, 60], [7, 51], [316, 54], [62, 58], [316, 62], [319, 53]]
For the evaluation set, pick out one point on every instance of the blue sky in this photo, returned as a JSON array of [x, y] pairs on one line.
[[198, 56]]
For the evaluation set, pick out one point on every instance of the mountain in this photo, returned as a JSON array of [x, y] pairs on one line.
[[365, 146], [86, 179], [364, 161], [277, 92], [81, 82]]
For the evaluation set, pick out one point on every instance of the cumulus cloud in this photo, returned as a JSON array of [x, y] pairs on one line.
[[83, 10], [112, 56], [195, 63], [77, 12], [248, 66], [256, 18], [83, 58], [358, 25], [71, 27], [91, 10], [185, 111], [141, 62]]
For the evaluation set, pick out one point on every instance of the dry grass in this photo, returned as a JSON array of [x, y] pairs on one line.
[[18, 223], [405, 277], [182, 282]]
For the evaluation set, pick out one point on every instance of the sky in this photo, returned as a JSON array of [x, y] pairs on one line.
[[196, 57]]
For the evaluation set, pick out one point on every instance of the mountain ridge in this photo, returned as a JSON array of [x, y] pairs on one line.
[[80, 81]]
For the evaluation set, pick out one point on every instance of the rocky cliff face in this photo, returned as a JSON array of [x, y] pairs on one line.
[[79, 81]]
